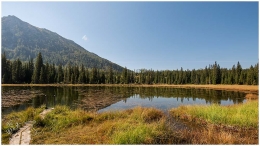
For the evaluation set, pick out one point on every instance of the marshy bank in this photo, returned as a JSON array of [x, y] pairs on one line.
[[141, 125], [215, 124]]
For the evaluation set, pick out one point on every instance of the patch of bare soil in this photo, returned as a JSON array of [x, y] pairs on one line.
[[15, 97]]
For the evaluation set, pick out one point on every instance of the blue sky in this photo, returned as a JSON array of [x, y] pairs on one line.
[[157, 35]]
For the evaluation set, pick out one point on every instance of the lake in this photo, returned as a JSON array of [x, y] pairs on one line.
[[103, 98]]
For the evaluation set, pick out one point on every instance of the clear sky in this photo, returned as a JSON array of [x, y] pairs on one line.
[[157, 35]]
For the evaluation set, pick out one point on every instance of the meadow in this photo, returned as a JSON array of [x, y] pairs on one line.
[[209, 124]]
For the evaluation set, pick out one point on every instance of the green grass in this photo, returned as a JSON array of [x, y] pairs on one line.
[[242, 115], [133, 126], [142, 126], [62, 117]]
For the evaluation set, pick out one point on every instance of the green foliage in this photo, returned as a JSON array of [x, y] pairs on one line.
[[18, 72]]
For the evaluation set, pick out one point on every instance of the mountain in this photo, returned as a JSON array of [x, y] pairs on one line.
[[24, 41]]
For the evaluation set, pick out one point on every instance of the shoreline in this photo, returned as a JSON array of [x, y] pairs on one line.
[[242, 88]]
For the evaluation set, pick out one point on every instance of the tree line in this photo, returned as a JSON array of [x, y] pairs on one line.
[[16, 72]]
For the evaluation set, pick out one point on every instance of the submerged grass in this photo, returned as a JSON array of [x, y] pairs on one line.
[[241, 115]]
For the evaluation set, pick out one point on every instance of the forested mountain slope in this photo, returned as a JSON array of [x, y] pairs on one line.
[[24, 41]]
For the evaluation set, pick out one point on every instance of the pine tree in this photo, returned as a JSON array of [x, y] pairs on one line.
[[216, 74], [17, 72], [82, 75], [125, 76], [43, 76], [87, 76], [102, 78], [28, 71], [48, 73], [6, 70], [60, 77], [250, 76], [111, 74], [52, 73], [37, 70], [238, 73], [256, 74], [94, 78]]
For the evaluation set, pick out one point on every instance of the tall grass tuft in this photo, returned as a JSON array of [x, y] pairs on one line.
[[62, 117], [142, 126], [241, 115]]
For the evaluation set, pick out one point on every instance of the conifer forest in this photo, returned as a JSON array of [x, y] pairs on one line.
[[18, 72]]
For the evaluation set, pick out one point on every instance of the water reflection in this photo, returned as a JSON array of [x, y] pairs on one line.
[[108, 98]]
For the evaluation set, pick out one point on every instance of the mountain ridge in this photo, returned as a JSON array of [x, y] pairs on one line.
[[24, 41]]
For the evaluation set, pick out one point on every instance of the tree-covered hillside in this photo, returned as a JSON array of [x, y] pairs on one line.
[[24, 41]]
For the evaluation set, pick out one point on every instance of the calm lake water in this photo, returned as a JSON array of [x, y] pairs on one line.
[[115, 98]]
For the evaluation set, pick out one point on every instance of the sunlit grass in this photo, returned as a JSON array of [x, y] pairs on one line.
[[242, 115], [133, 126], [139, 125]]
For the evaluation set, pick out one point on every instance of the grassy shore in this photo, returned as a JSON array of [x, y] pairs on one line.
[[65, 126], [141, 126], [215, 124], [239, 115], [134, 126], [242, 88]]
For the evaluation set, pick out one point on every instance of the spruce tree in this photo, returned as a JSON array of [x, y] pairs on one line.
[[111, 74], [238, 73], [82, 75], [37, 69], [60, 77]]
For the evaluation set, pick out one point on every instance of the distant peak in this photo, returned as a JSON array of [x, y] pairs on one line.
[[10, 16]]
